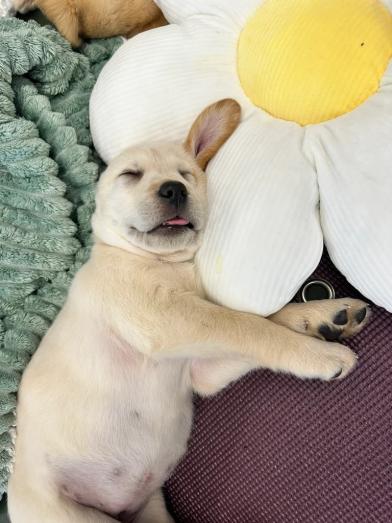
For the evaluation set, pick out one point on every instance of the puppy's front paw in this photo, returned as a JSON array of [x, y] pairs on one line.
[[327, 361], [347, 318], [332, 320]]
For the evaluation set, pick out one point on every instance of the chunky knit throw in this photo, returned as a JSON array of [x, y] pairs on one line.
[[48, 170]]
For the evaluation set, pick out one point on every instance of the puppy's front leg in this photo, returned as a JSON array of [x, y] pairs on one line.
[[190, 327], [324, 319]]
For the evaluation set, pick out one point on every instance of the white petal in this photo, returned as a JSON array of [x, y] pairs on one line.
[[353, 157], [264, 238], [157, 83], [177, 11]]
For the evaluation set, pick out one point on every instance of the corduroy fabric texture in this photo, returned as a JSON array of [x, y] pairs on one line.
[[274, 449], [48, 171]]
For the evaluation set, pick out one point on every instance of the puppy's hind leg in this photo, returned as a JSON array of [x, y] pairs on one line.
[[34, 504], [155, 511]]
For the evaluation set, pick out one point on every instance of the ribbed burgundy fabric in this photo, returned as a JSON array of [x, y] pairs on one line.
[[274, 449]]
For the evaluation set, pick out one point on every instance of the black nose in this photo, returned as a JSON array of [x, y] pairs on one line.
[[174, 192]]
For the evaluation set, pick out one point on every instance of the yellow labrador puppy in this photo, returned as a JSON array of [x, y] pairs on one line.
[[105, 406]]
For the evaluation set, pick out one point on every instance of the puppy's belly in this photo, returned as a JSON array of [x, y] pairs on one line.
[[116, 423], [119, 490], [119, 480], [146, 417]]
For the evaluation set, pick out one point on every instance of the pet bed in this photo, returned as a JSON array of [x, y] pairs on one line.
[[47, 176], [274, 449], [269, 449]]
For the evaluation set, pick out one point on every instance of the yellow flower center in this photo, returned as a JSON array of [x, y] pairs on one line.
[[309, 61]]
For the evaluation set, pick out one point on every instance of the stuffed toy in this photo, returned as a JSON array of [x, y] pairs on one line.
[[77, 19], [311, 161]]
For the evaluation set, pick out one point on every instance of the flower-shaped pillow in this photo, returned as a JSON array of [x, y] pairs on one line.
[[312, 158]]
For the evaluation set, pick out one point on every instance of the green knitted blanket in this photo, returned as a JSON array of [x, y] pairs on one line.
[[48, 170]]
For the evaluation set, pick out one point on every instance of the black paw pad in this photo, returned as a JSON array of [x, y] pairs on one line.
[[341, 318], [329, 333], [361, 315]]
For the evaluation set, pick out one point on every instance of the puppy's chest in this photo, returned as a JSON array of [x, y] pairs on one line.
[[176, 277]]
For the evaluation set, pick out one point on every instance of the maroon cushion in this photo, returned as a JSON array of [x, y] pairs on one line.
[[275, 449]]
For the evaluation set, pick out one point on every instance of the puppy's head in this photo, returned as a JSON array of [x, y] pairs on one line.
[[153, 199]]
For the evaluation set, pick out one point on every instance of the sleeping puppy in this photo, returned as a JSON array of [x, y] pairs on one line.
[[77, 19], [105, 406]]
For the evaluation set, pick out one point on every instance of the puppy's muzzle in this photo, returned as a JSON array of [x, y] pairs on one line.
[[174, 193]]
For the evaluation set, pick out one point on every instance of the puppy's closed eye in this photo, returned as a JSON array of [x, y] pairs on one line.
[[186, 174], [132, 173]]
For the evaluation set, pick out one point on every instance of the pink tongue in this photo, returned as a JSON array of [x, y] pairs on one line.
[[177, 221]]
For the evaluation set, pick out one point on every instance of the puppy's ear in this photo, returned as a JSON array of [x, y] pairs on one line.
[[212, 129], [65, 16]]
